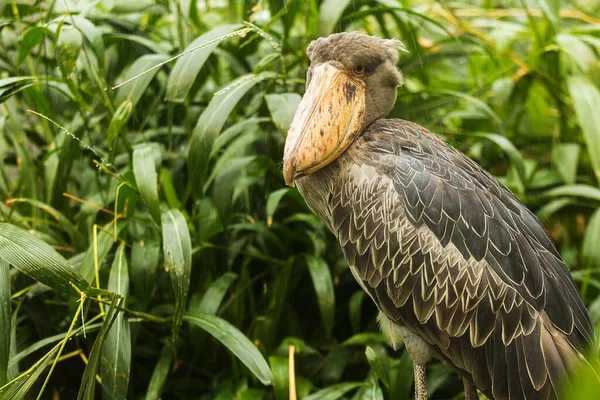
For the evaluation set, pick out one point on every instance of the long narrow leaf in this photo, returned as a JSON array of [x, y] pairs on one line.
[[235, 341], [586, 98], [147, 179], [4, 321], [116, 353], [88, 381], [177, 249], [323, 284], [211, 122], [35, 258], [187, 67], [159, 376]]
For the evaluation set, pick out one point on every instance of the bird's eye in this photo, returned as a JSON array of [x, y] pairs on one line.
[[359, 69]]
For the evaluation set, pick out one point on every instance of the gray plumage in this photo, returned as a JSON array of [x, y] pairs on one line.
[[454, 261]]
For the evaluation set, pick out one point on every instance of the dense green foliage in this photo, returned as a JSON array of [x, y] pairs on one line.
[[195, 267]]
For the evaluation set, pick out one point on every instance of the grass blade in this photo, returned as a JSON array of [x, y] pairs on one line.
[[188, 66], [4, 321], [378, 364], [323, 284], [216, 292], [117, 122], [38, 260], [585, 191], [18, 387], [104, 243], [159, 376], [147, 179], [586, 98], [566, 158], [116, 353], [282, 108], [68, 46], [334, 392], [88, 381], [330, 12], [134, 90], [144, 267], [272, 202], [235, 341], [177, 249], [211, 122]]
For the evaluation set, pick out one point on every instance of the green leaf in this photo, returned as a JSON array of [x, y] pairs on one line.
[[147, 179], [355, 310], [216, 292], [88, 381], [104, 243], [116, 353], [4, 321], [323, 284], [586, 98], [188, 66], [92, 33], [330, 12], [160, 373], [235, 341], [20, 386], [134, 90], [211, 122], [68, 46], [578, 51], [334, 392], [585, 191], [273, 201], [225, 183], [282, 108], [280, 369], [364, 338], [379, 365], [38, 260], [590, 250], [31, 38], [513, 154], [551, 10], [481, 105], [177, 250], [566, 158], [119, 119], [145, 255]]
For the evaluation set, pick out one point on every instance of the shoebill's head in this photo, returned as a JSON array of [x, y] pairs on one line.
[[351, 82]]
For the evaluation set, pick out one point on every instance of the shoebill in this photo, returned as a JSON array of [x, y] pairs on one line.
[[458, 267]]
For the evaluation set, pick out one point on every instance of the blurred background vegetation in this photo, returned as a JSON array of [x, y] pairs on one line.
[[195, 268]]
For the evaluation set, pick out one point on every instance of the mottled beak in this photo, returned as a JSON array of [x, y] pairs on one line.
[[329, 118]]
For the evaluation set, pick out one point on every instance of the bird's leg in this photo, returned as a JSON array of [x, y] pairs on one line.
[[470, 391], [420, 382]]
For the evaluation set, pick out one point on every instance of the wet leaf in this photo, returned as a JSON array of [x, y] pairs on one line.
[[235, 341], [68, 46], [334, 392], [177, 250], [187, 67], [35, 258], [5, 314], [118, 120], [282, 108], [211, 122], [160, 373], [323, 284], [147, 179], [586, 98], [116, 353]]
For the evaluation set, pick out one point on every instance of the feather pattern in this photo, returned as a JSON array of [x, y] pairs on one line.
[[449, 253]]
